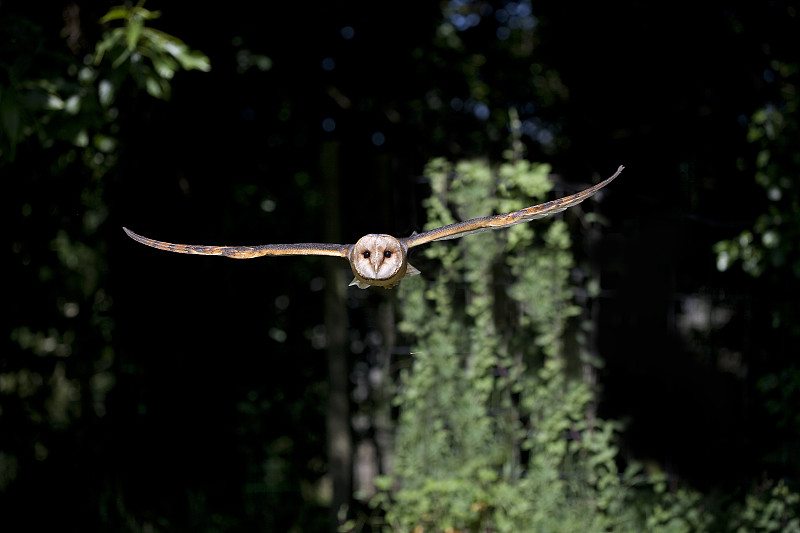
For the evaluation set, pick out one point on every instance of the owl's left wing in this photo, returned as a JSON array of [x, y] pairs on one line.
[[246, 252], [476, 225]]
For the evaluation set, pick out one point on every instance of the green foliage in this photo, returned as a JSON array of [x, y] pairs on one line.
[[768, 251], [128, 45], [767, 511], [58, 144], [35, 99], [770, 245], [493, 435], [42, 103], [679, 511]]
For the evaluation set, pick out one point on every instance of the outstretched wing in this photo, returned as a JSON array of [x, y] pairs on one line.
[[476, 225], [246, 252]]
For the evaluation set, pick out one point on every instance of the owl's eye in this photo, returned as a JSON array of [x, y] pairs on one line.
[[387, 254], [366, 254]]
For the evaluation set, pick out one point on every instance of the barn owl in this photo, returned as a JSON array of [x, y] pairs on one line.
[[381, 260]]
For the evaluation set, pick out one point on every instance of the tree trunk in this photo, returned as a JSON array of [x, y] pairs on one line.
[[339, 438]]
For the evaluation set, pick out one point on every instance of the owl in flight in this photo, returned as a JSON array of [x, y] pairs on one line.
[[381, 260]]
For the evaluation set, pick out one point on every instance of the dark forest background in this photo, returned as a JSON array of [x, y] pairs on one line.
[[141, 390]]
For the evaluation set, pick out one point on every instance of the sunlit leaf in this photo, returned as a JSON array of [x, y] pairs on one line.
[[73, 105], [54, 102], [105, 143], [133, 32], [158, 35], [194, 60], [146, 13], [157, 87], [189, 59], [124, 12], [164, 65], [116, 13], [110, 40], [105, 92], [81, 139]]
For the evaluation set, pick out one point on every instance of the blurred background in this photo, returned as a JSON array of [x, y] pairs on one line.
[[148, 391]]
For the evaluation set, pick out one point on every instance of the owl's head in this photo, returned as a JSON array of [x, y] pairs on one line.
[[378, 260]]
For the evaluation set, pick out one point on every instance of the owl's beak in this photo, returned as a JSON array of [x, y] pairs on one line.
[[375, 261]]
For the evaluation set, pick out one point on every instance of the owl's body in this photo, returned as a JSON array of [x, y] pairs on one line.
[[382, 260]]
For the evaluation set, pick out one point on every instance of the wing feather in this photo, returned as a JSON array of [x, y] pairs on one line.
[[477, 225], [246, 252]]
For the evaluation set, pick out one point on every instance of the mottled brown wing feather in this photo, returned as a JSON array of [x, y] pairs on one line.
[[476, 225], [246, 252]]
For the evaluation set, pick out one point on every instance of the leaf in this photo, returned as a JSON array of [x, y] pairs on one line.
[[123, 57], [157, 87], [122, 12], [164, 65], [133, 32], [146, 13], [194, 60], [189, 59], [109, 41], [116, 13], [105, 92]]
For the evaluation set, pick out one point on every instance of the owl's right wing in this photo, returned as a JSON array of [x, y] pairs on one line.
[[247, 252]]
